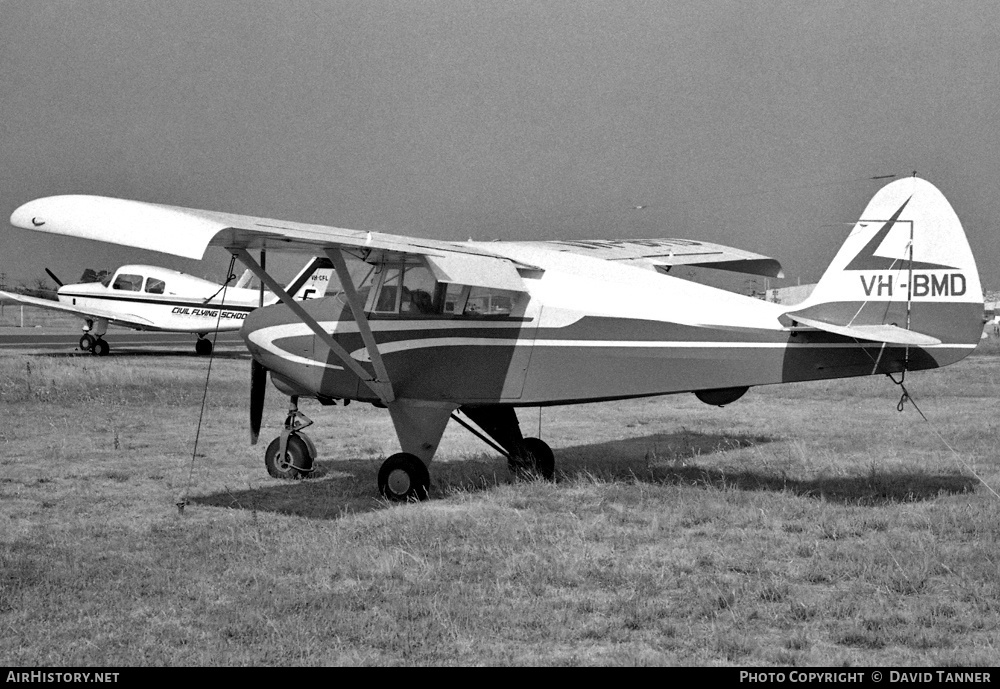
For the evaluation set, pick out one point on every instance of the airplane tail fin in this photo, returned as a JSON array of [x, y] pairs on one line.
[[311, 282], [905, 276]]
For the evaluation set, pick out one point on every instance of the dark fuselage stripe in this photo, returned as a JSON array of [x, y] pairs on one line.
[[160, 302]]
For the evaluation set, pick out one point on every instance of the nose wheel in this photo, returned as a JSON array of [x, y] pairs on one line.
[[294, 463], [291, 454]]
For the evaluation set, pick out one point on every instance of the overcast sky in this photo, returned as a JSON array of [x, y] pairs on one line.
[[753, 124]]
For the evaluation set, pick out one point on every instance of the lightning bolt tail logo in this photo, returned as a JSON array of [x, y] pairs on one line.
[[868, 260]]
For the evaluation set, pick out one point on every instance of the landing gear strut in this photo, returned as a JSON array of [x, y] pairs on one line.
[[291, 454]]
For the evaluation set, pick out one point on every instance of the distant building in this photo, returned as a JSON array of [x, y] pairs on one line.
[[990, 314]]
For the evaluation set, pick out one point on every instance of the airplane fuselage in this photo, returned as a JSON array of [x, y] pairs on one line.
[[165, 299], [585, 330], [168, 313]]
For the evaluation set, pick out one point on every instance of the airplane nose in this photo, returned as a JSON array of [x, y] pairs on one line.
[[261, 327], [297, 358]]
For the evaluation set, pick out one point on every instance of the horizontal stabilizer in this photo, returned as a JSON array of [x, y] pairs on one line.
[[890, 334]]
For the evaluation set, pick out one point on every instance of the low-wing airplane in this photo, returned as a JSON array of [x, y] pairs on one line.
[[431, 328], [145, 297]]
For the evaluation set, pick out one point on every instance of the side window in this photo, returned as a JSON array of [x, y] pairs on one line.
[[420, 297], [387, 300], [154, 286], [131, 283], [484, 301], [411, 291], [408, 290], [455, 297]]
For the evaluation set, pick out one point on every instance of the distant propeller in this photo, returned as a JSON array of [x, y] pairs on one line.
[[54, 278], [258, 386]]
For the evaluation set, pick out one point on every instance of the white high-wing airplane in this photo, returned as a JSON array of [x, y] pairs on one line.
[[145, 297], [430, 328]]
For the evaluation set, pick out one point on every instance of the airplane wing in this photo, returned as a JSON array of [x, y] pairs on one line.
[[663, 254], [188, 232], [87, 314]]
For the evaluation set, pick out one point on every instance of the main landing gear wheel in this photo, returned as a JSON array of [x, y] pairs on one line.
[[86, 342], [100, 347], [403, 477], [537, 458], [203, 346], [297, 462]]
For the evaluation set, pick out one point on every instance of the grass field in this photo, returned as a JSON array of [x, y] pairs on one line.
[[808, 524]]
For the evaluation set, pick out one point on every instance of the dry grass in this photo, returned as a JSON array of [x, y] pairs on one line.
[[804, 525]]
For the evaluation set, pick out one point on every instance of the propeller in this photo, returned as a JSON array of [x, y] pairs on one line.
[[258, 373], [258, 386], [54, 278]]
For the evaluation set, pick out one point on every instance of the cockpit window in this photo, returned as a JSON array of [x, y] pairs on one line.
[[154, 286], [411, 291], [131, 283], [407, 290]]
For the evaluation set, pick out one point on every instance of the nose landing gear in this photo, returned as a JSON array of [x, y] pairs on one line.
[[291, 454]]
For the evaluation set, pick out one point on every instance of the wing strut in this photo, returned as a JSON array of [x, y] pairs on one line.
[[358, 311], [382, 388]]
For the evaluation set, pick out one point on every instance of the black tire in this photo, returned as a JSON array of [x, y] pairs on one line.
[[297, 461], [86, 342], [203, 346], [403, 477], [100, 347], [536, 458]]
